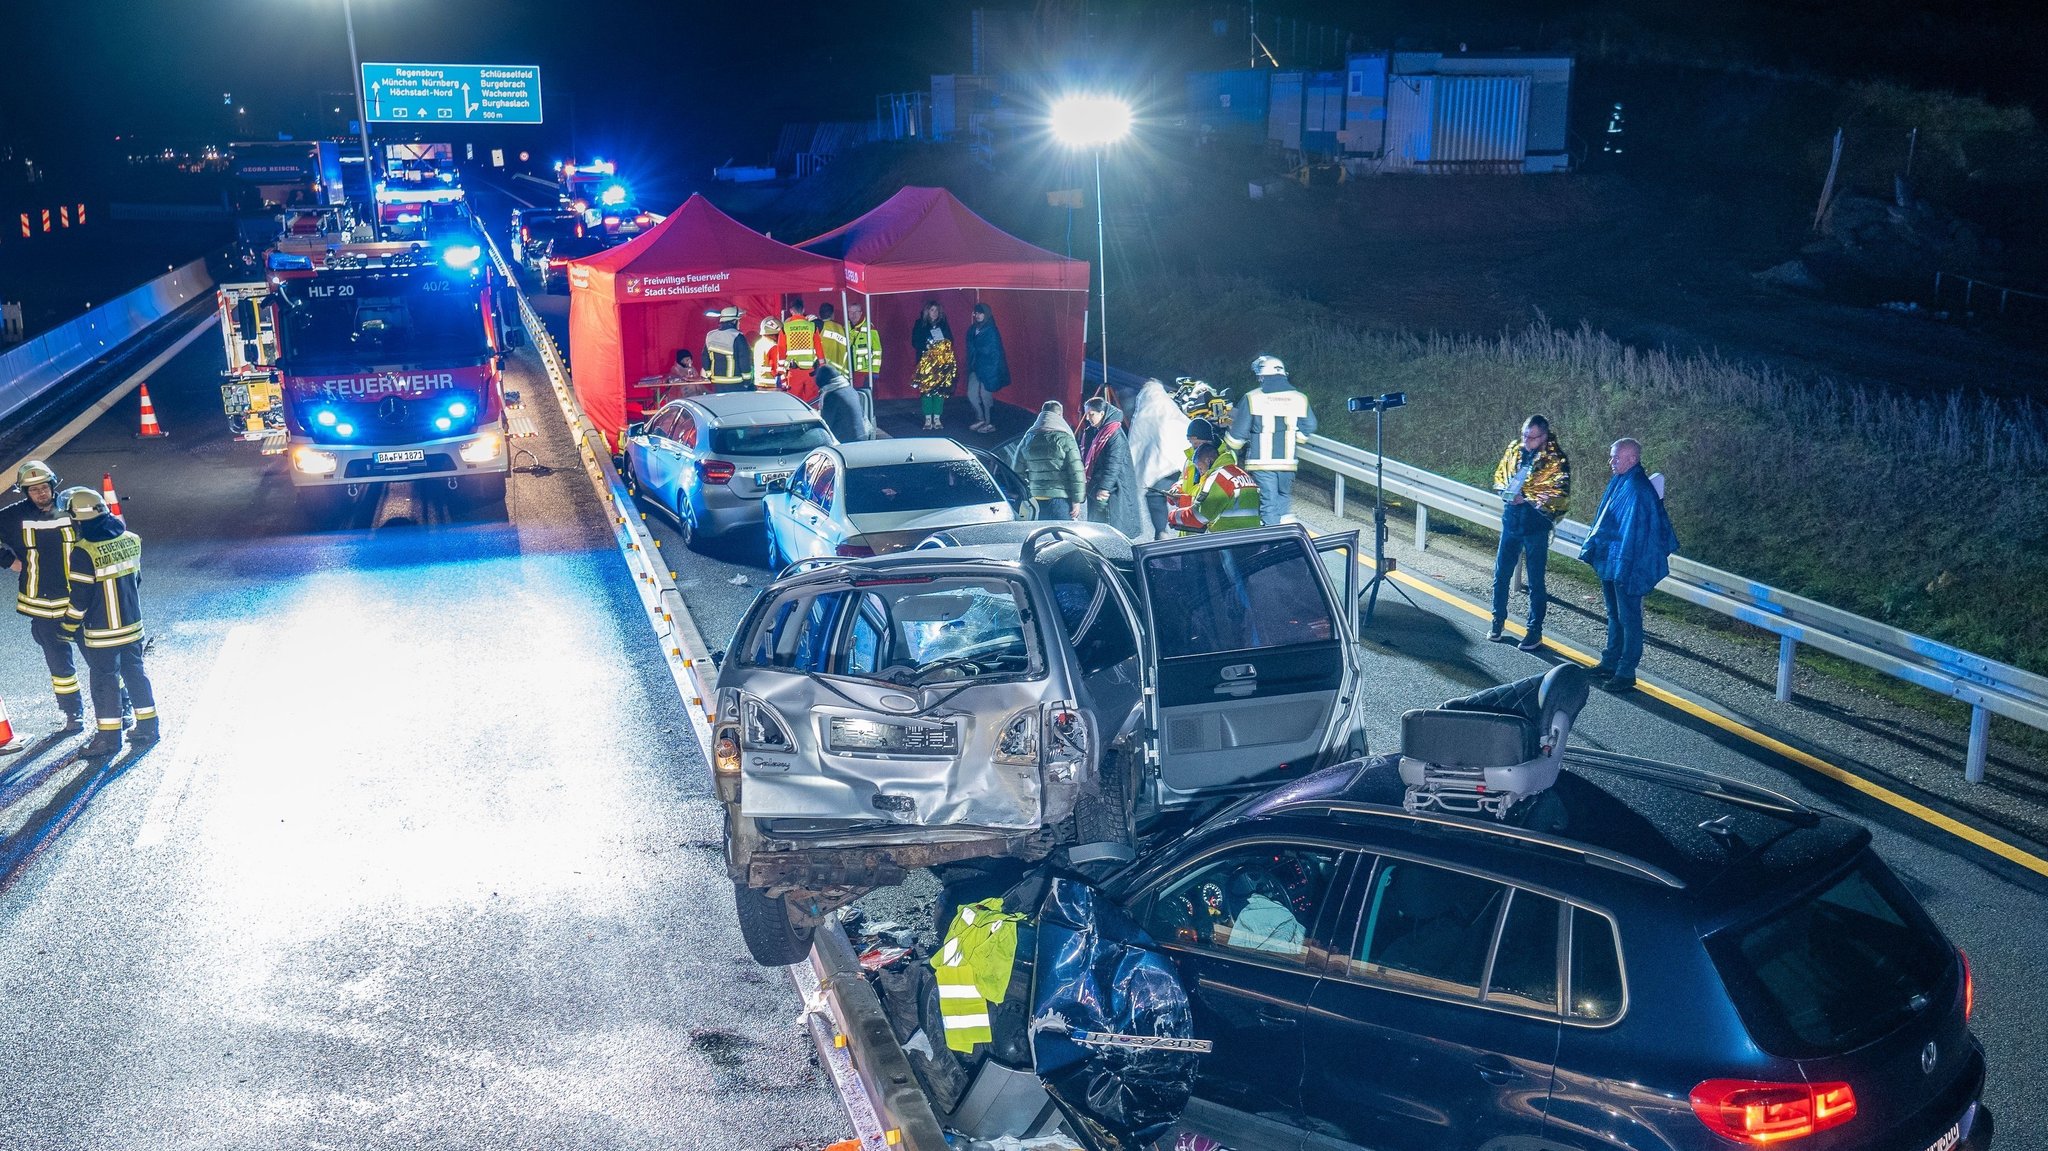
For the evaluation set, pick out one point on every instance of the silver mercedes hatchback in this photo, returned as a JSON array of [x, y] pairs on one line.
[[1016, 689]]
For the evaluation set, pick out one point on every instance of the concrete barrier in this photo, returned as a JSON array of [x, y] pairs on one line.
[[37, 365]]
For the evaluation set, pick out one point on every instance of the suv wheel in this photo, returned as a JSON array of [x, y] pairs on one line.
[[772, 938]]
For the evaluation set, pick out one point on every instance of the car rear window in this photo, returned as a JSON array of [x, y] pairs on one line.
[[901, 631], [1836, 969], [916, 487], [770, 439], [549, 227]]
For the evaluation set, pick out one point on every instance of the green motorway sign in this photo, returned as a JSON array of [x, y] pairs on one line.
[[452, 93]]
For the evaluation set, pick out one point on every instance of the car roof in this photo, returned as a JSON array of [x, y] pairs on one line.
[[910, 449], [749, 409], [1721, 842], [535, 213]]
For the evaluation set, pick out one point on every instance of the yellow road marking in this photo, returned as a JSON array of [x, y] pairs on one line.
[[1912, 807]]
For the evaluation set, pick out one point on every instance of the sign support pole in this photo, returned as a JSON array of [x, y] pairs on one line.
[[362, 117]]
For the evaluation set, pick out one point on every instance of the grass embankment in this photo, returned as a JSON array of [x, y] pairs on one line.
[[1930, 515]]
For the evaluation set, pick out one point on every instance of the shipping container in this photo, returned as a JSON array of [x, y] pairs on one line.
[[1365, 104], [1228, 105], [1546, 140], [1458, 123], [1322, 116], [1284, 109]]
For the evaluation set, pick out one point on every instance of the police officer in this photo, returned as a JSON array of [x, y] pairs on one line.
[[35, 537], [728, 358], [105, 613], [1266, 430]]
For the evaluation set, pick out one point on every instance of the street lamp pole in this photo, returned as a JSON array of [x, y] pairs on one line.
[[362, 115], [1102, 266]]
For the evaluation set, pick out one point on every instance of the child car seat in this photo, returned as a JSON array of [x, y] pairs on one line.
[[1488, 751]]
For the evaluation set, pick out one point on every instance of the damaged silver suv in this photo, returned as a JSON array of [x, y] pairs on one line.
[[1018, 689]]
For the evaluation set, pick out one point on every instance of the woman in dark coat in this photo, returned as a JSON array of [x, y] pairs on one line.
[[1112, 480], [988, 369]]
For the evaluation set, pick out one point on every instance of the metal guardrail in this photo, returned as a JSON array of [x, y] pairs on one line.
[[856, 1046], [1985, 684]]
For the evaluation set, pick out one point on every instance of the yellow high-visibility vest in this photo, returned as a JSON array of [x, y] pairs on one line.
[[972, 970]]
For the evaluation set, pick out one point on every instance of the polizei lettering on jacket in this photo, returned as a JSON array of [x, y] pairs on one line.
[[377, 385]]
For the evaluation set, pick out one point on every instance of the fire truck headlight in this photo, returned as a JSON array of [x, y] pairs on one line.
[[485, 449], [313, 461], [461, 255]]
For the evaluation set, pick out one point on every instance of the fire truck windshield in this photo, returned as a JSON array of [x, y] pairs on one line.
[[418, 327]]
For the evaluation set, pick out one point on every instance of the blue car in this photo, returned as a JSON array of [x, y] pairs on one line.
[[1635, 957], [707, 460]]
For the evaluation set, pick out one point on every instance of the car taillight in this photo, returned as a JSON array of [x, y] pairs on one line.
[[1969, 986], [716, 471], [854, 550], [1765, 1113], [525, 234]]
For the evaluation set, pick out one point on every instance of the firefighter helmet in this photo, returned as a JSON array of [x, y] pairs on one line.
[[770, 326], [1268, 366], [84, 504], [36, 472]]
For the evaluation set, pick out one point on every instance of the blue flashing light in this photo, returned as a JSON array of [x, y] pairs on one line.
[[325, 418], [458, 409], [444, 423], [461, 255], [345, 429], [614, 195], [290, 261]]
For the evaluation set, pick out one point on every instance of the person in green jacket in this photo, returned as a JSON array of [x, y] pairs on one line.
[[1051, 463]]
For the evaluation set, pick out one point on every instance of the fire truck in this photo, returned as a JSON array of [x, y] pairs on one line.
[[371, 363], [601, 200]]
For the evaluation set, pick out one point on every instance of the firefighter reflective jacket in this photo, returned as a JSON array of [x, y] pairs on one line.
[[1266, 427], [106, 589], [728, 359], [972, 969], [1227, 499], [799, 343], [40, 540]]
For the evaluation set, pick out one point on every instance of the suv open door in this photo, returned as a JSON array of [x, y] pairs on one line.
[[1253, 666]]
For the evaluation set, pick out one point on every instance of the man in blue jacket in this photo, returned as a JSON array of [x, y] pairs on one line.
[[1630, 550]]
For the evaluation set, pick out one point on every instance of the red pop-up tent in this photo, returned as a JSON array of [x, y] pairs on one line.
[[632, 307], [923, 244]]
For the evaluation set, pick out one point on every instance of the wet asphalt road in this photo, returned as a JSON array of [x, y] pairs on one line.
[[427, 858]]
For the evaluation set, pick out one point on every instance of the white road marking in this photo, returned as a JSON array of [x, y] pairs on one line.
[[232, 671], [85, 418]]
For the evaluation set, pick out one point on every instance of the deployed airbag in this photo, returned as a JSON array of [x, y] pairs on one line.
[[1100, 980]]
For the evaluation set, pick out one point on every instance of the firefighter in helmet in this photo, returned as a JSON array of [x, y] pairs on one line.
[[105, 613], [35, 538], [1265, 431]]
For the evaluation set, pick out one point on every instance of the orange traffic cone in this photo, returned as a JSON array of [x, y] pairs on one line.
[[6, 731], [107, 492], [150, 428]]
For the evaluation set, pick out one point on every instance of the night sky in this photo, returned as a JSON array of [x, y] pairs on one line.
[[691, 83]]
